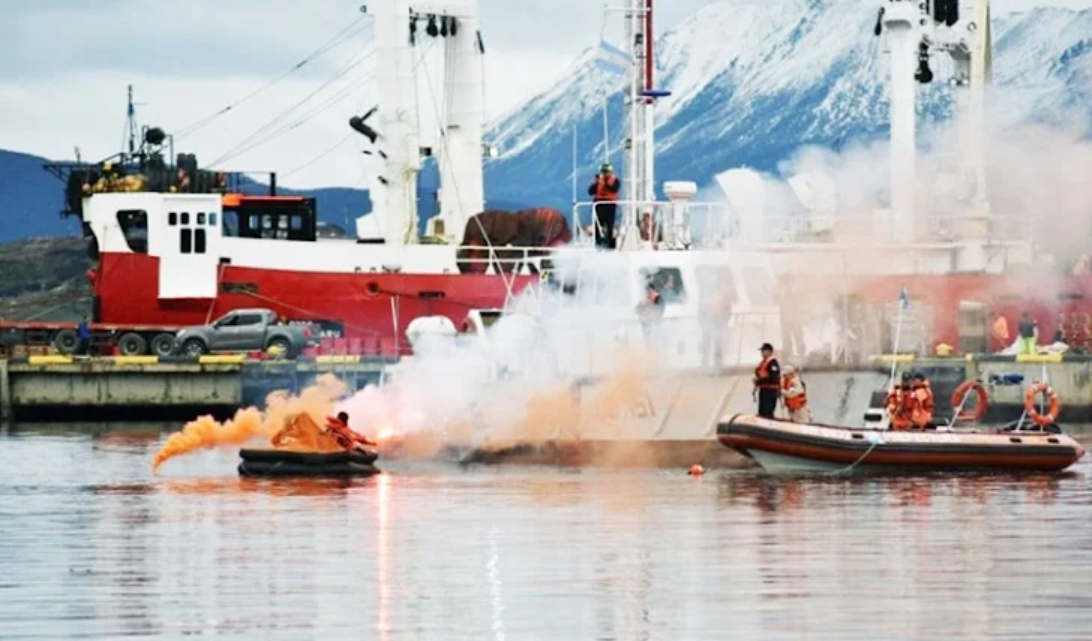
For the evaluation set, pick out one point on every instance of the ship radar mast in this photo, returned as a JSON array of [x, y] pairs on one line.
[[639, 155], [915, 29]]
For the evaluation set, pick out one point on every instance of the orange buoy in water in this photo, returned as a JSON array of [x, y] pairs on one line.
[[696, 470]]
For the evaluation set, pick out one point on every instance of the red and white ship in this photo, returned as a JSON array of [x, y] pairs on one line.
[[185, 247]]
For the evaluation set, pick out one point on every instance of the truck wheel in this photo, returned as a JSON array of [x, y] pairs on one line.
[[193, 347], [163, 344], [132, 345], [66, 341], [280, 346]]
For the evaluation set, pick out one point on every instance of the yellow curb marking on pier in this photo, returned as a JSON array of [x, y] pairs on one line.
[[49, 360], [133, 360], [895, 358], [221, 359], [1038, 358], [337, 358]]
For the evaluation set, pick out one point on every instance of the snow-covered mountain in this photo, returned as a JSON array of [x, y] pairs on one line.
[[752, 83]]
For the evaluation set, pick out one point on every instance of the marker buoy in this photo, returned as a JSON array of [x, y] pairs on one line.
[[696, 470]]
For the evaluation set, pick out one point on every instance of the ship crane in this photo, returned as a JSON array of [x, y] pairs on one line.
[[915, 30]]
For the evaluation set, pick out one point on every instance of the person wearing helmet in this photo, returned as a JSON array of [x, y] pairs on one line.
[[794, 393], [604, 192], [900, 404], [924, 401]]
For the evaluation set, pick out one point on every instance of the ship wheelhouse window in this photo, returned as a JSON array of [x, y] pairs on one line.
[[230, 228], [199, 241], [201, 218], [185, 218], [212, 219], [669, 282], [185, 241], [172, 218], [134, 227]]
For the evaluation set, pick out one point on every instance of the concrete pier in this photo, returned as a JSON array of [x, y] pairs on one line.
[[141, 388]]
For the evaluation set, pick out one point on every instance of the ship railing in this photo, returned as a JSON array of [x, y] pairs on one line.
[[711, 225]]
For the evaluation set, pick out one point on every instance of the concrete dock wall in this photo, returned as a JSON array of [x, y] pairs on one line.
[[140, 388]]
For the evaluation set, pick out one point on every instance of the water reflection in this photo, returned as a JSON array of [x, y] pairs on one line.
[[96, 546]]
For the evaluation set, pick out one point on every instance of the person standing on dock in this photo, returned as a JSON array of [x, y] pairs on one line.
[[1029, 331], [767, 381], [604, 192], [795, 394], [83, 332]]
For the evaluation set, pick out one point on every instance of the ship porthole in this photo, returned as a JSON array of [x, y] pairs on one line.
[[373, 288]]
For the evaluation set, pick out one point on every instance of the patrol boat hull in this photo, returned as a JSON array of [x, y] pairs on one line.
[[781, 446]]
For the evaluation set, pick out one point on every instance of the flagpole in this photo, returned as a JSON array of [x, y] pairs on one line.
[[903, 298], [606, 130]]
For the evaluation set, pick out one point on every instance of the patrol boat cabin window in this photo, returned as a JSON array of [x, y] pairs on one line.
[[668, 281]]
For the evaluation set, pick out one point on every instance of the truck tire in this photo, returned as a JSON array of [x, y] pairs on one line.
[[194, 347], [282, 345], [131, 344], [67, 341], [163, 344]]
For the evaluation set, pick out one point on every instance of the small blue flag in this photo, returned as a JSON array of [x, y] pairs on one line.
[[612, 59]]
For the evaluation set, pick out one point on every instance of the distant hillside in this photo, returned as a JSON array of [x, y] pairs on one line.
[[45, 279], [30, 200]]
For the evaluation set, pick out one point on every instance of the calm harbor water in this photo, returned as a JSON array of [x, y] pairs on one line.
[[93, 546]]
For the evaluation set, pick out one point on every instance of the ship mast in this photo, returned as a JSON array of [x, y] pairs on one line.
[[639, 152], [401, 26], [914, 31]]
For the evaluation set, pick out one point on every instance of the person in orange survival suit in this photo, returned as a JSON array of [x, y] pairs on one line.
[[900, 404], [604, 192], [921, 414], [339, 429], [767, 381]]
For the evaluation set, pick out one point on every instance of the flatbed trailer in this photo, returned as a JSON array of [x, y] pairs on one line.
[[106, 338]]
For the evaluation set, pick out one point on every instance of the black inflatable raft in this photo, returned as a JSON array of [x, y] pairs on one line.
[[269, 462]]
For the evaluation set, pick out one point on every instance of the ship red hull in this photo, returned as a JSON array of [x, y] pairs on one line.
[[127, 289]]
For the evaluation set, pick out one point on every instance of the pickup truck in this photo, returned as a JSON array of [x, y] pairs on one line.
[[246, 330]]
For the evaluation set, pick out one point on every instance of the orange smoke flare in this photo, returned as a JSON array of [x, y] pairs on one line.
[[316, 401], [206, 433]]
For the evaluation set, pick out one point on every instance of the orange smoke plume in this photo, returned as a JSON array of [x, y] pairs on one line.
[[316, 401]]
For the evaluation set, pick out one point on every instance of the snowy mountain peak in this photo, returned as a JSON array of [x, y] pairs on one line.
[[751, 83]]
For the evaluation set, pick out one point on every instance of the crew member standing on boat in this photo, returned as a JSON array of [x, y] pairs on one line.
[[924, 402], [767, 382], [795, 394], [604, 192]]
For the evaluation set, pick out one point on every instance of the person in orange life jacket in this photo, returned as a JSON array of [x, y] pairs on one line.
[[345, 436], [604, 192], [921, 414], [900, 404], [795, 394], [767, 382]]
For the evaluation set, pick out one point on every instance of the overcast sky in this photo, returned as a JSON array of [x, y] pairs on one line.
[[66, 63]]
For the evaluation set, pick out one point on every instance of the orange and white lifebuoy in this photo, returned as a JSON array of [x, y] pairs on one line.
[[980, 408], [1033, 392]]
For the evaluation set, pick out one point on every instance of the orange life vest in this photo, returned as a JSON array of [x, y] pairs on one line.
[[921, 412], [900, 405], [601, 191], [793, 402], [762, 372]]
